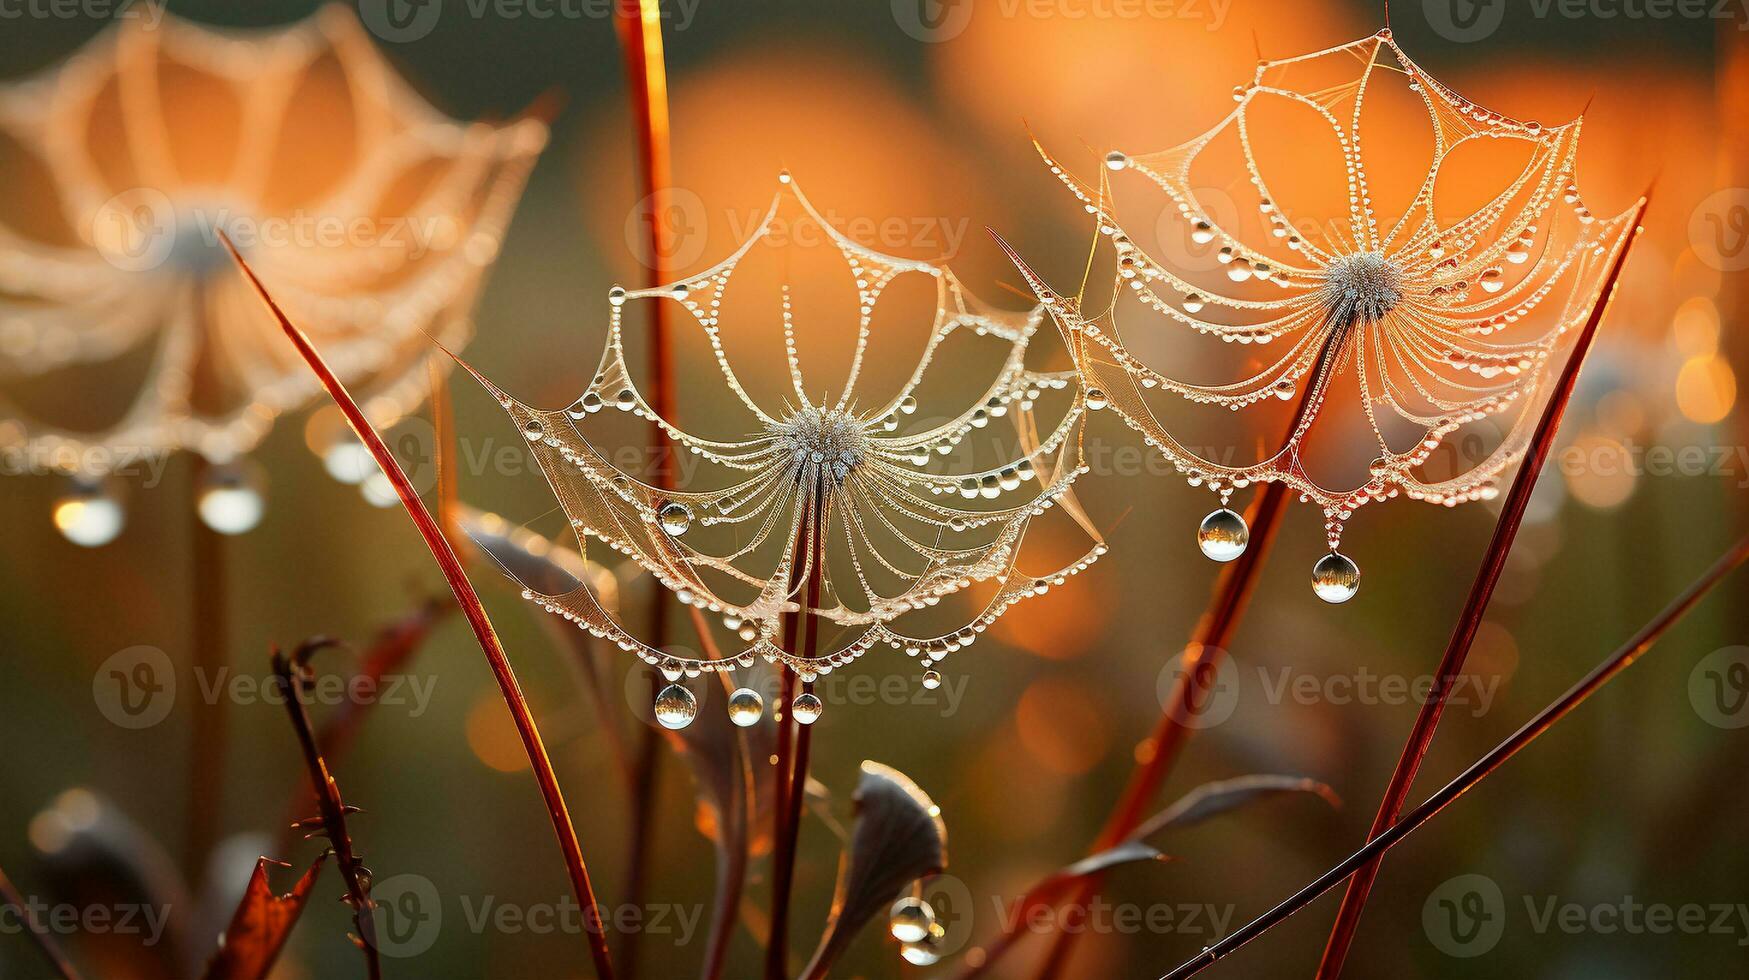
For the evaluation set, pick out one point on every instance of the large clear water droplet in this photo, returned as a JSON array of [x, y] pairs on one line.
[[89, 514], [675, 707], [932, 679], [232, 499], [746, 707], [910, 919], [1335, 578], [1223, 535], [806, 708], [1096, 399], [675, 518]]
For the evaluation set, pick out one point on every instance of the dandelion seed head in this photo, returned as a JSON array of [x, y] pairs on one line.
[[832, 439], [1361, 287]]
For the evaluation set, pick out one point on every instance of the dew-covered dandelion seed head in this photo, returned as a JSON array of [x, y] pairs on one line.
[[1414, 324], [855, 507]]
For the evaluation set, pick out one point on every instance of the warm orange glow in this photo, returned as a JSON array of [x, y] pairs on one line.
[[492, 737], [1706, 388], [1061, 725]]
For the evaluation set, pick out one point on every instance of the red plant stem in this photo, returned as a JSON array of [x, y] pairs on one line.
[[209, 631], [792, 770], [639, 24], [474, 610], [290, 676], [51, 950], [1202, 656], [1451, 665], [1545, 719]]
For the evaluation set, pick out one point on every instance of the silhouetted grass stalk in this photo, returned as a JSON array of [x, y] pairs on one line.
[[794, 740], [1209, 642], [639, 25], [474, 610], [1451, 665], [290, 676], [44, 940], [1376, 847]]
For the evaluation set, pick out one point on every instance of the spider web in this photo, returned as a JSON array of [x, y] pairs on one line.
[[1466, 311], [907, 520], [136, 264]]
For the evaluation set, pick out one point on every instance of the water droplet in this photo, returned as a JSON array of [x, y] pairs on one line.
[[1335, 578], [926, 952], [1096, 399], [532, 430], [910, 919], [89, 515], [908, 405], [348, 460], [1223, 535], [231, 500], [675, 518], [1116, 161], [617, 295], [746, 707], [805, 708], [932, 679], [675, 707]]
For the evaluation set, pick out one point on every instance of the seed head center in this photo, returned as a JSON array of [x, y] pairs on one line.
[[833, 440], [1361, 287]]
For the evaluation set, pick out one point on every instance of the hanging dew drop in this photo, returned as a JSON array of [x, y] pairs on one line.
[[231, 500], [532, 430], [932, 679], [89, 515], [1116, 160], [746, 707], [675, 518], [675, 707], [1223, 535], [806, 708], [910, 919], [1335, 578], [1096, 399]]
